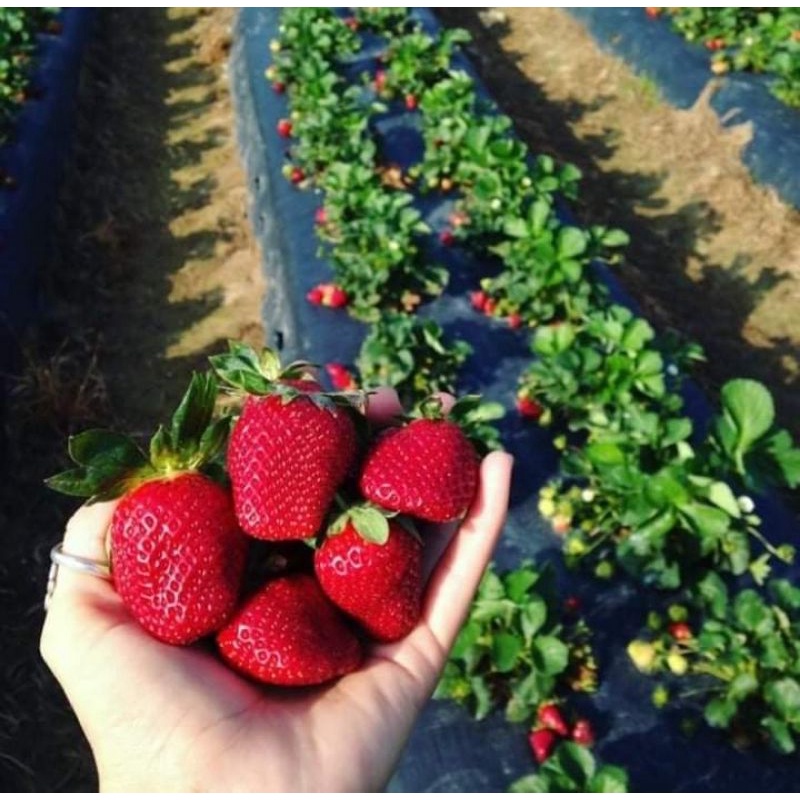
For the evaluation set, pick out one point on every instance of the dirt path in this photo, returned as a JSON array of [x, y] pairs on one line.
[[713, 254], [155, 268]]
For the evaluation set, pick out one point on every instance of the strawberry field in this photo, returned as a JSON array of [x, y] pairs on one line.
[[643, 607]]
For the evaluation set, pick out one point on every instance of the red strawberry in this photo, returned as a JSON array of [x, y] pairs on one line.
[[296, 175], [489, 307], [411, 102], [428, 468], [279, 87], [680, 631], [583, 733], [514, 321], [290, 448], [549, 716], [321, 216], [284, 128], [373, 571], [380, 80], [334, 296], [351, 23], [178, 556], [341, 377], [314, 296], [478, 300], [528, 407], [290, 634], [542, 743], [446, 238], [652, 11], [572, 605], [176, 549]]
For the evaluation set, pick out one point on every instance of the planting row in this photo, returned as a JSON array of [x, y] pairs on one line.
[[642, 492], [18, 30], [761, 40]]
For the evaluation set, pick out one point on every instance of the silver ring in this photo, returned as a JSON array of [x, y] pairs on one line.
[[98, 569]]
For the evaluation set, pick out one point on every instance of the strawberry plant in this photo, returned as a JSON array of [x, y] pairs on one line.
[[411, 355], [514, 652], [546, 264], [418, 60], [669, 511], [762, 40], [382, 21], [372, 243], [573, 768], [18, 29], [741, 664], [609, 374]]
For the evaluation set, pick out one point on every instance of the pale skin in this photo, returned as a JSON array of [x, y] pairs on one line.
[[163, 718]]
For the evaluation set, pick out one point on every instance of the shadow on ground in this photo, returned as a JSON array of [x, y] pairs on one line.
[[134, 275]]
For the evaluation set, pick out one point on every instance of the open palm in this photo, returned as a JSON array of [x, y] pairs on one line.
[[163, 718]]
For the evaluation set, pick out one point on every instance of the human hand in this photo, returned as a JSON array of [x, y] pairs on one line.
[[164, 718]]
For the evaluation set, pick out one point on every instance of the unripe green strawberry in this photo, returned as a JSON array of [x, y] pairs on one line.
[[290, 634], [373, 571]]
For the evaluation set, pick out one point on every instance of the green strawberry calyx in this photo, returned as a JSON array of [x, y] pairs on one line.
[[243, 370], [369, 521], [111, 464], [470, 413]]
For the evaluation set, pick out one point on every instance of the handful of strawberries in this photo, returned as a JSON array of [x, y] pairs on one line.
[[205, 538]]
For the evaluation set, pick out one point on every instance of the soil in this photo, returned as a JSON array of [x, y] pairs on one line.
[[155, 268], [713, 254]]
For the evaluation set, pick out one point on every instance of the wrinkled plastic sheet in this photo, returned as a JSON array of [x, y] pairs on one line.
[[449, 751], [681, 70]]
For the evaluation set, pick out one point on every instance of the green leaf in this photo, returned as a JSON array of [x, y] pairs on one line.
[[194, 412], [570, 242], [714, 593], [615, 237], [370, 523], [516, 228], [784, 696], [518, 582], [491, 586], [677, 430], [722, 496], [466, 639], [780, 735], [483, 696], [748, 406], [752, 613], [531, 783], [506, 648], [95, 445], [575, 761], [532, 616], [550, 655], [742, 686], [608, 779], [719, 712]]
